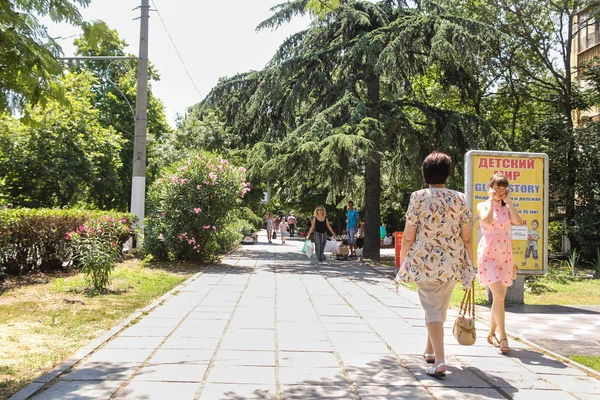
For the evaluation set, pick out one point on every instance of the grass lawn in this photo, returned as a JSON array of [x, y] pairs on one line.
[[45, 319], [592, 362]]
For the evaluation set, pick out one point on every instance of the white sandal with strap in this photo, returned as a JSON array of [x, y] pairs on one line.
[[433, 371], [429, 358]]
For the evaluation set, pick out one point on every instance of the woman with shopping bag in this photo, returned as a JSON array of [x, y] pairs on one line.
[[436, 252], [320, 226]]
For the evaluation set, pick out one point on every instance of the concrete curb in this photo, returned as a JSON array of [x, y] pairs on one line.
[[48, 377]]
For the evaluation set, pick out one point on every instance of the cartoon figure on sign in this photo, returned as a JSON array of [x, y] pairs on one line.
[[532, 243]]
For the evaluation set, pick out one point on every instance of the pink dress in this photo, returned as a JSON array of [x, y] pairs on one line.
[[494, 253]]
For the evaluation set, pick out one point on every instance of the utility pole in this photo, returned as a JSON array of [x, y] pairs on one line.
[[138, 183]]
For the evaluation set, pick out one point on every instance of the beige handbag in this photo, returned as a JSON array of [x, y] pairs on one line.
[[464, 324]]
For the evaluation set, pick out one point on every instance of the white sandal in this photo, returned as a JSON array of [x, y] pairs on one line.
[[429, 358], [433, 371]]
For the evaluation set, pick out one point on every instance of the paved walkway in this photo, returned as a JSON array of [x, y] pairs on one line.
[[271, 324]]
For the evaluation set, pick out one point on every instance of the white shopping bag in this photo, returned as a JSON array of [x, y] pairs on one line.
[[331, 246], [310, 249]]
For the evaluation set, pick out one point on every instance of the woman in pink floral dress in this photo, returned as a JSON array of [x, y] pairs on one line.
[[436, 248], [494, 253]]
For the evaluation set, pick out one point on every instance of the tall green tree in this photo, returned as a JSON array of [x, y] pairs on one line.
[[114, 96], [337, 100], [536, 68], [28, 64], [61, 156]]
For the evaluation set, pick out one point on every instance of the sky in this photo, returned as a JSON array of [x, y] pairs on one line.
[[215, 38]]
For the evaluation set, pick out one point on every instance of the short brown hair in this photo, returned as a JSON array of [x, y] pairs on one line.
[[498, 179], [436, 168]]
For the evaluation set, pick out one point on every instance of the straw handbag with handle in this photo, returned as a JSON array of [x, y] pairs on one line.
[[464, 325]]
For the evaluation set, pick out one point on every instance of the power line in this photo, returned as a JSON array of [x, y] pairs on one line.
[[175, 47]]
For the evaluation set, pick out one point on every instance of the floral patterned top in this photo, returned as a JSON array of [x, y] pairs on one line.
[[438, 253]]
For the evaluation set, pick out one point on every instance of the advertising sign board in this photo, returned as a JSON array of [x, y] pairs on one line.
[[527, 174]]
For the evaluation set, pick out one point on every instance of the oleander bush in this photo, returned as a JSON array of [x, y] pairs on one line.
[[34, 240], [194, 209]]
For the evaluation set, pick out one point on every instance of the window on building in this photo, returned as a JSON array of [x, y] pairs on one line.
[[589, 32]]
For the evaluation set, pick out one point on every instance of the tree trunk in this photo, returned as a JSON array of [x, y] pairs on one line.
[[372, 207], [372, 178]]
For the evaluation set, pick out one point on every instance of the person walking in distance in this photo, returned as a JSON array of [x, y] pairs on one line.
[[269, 226], [283, 227], [436, 252], [276, 222], [320, 226], [291, 224], [494, 252], [351, 227]]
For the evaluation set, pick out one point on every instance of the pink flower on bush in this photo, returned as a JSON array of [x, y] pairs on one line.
[[184, 168], [198, 187], [184, 181], [182, 236], [123, 220], [206, 226], [214, 228], [113, 244], [161, 237], [242, 169], [175, 180], [197, 210], [192, 241], [212, 176]]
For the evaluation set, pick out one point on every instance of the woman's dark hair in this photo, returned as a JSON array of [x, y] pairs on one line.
[[436, 168], [498, 179], [501, 180]]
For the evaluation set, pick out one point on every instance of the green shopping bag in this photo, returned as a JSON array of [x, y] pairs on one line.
[[304, 247]]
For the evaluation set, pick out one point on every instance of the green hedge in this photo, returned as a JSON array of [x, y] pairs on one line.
[[35, 239]]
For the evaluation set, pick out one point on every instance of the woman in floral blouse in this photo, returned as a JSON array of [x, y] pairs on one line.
[[436, 251]]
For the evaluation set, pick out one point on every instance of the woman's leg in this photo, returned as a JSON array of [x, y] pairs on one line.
[[499, 294], [269, 234], [320, 239], [435, 336], [435, 299]]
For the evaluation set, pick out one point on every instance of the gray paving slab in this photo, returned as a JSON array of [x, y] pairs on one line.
[[79, 390], [101, 371], [311, 376], [270, 324], [242, 374], [175, 342], [465, 393], [316, 392], [172, 373], [246, 357], [181, 356], [143, 390], [128, 342], [105, 355], [220, 391], [392, 392]]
